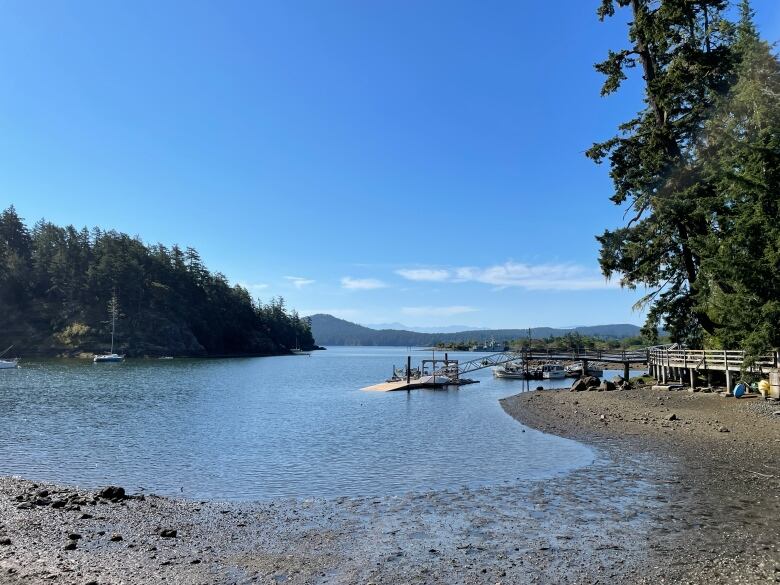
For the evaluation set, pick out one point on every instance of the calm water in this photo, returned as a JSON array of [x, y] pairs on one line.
[[260, 428]]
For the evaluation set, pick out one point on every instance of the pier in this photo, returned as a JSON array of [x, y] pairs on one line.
[[666, 363], [455, 370], [674, 363]]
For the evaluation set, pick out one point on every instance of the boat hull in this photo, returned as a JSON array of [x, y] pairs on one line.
[[8, 364], [108, 359]]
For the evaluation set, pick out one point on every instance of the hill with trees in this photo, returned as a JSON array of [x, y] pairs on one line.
[[56, 284], [329, 330]]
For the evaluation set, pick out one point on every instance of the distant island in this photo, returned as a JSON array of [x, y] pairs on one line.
[[330, 330], [56, 283]]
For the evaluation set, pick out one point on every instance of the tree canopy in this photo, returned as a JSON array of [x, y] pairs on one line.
[[55, 285], [697, 170]]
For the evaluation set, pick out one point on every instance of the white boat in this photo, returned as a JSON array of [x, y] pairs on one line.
[[511, 371], [8, 364], [575, 371], [553, 371], [110, 357], [297, 349]]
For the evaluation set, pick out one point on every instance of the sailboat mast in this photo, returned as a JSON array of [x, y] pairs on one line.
[[113, 322]]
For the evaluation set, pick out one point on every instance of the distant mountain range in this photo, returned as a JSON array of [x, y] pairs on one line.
[[330, 330], [442, 329]]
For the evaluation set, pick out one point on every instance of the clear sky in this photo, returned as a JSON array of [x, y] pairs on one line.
[[383, 160]]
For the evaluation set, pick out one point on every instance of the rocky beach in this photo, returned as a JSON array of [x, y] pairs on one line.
[[713, 459]]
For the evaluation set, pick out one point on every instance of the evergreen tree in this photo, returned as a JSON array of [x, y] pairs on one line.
[[741, 153], [56, 282], [686, 56]]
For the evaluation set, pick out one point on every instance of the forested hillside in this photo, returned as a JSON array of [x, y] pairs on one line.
[[56, 283], [329, 330]]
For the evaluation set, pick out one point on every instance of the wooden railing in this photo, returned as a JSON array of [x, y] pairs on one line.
[[709, 359]]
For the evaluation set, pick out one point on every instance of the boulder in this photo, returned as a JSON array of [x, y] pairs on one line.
[[618, 380], [591, 381], [606, 386], [113, 493], [168, 533], [579, 386]]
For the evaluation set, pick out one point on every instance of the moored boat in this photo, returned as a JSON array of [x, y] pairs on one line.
[[8, 364], [553, 371], [512, 372], [110, 357], [575, 371]]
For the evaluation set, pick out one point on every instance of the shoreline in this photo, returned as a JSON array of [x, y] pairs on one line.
[[716, 465], [649, 509]]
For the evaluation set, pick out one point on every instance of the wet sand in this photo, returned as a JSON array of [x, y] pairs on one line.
[[663, 501], [718, 469]]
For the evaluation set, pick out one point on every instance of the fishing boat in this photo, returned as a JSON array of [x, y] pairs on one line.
[[110, 357], [8, 363], [553, 371], [575, 371], [512, 372]]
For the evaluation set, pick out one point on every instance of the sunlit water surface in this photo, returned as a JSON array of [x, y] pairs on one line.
[[261, 428]]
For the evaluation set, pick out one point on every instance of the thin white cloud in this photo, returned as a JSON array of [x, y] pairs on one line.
[[299, 281], [254, 287], [438, 311], [527, 276], [361, 283], [425, 274]]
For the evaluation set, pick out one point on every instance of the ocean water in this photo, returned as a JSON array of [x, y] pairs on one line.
[[264, 428]]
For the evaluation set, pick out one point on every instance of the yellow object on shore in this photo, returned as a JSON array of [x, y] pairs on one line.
[[763, 387]]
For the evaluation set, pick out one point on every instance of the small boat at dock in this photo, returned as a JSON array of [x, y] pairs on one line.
[[512, 372], [553, 371], [575, 371]]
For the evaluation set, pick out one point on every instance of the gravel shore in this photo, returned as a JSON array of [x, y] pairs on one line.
[[719, 477], [664, 501]]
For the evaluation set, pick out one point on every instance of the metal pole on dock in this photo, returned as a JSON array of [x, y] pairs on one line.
[[408, 369]]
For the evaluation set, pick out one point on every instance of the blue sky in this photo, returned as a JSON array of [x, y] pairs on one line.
[[383, 161]]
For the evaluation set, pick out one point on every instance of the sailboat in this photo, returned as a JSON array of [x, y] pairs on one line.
[[297, 350], [6, 364], [110, 357]]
